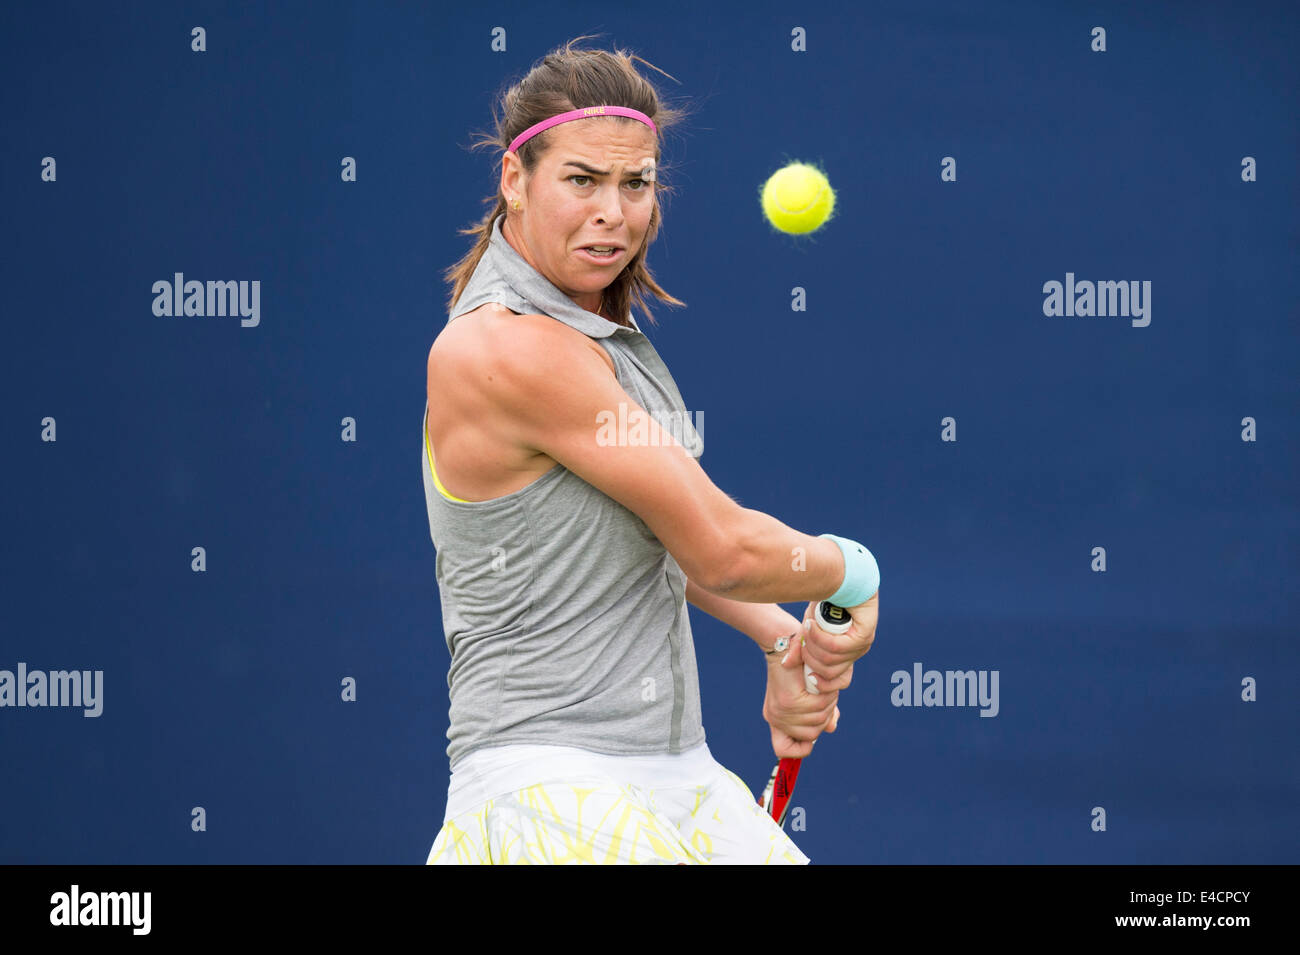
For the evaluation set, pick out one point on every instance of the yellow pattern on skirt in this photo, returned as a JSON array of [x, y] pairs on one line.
[[600, 822]]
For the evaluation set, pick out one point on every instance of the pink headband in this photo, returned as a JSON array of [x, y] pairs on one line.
[[583, 113]]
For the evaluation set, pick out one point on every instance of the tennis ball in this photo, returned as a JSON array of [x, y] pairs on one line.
[[798, 198]]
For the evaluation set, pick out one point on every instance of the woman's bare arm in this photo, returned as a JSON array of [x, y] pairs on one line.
[[762, 623]]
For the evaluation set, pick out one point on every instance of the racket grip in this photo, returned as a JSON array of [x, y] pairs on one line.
[[831, 619]]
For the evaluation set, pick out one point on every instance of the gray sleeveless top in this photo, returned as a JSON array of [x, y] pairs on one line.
[[564, 615]]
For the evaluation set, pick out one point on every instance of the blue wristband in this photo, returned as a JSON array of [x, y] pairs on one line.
[[861, 574]]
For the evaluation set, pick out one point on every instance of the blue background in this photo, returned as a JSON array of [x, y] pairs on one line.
[[221, 689]]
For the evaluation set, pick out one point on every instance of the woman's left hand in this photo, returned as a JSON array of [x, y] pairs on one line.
[[796, 716]]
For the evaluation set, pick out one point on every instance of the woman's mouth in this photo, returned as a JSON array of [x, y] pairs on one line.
[[601, 255]]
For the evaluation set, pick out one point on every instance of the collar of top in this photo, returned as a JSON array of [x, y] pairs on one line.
[[534, 288]]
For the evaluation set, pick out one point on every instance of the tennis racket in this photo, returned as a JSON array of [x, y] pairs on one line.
[[780, 787]]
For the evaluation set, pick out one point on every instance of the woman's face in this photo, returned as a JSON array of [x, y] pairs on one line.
[[589, 188]]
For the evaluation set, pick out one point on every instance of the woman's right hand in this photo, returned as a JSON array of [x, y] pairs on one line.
[[796, 716], [831, 656]]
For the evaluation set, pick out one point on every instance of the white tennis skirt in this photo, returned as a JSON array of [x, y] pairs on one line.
[[553, 805]]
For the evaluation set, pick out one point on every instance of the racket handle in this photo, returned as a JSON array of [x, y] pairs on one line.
[[832, 619], [776, 797]]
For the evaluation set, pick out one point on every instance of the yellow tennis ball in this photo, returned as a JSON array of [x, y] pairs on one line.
[[798, 198]]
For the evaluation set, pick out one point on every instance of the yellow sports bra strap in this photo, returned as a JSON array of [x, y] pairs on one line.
[[428, 449]]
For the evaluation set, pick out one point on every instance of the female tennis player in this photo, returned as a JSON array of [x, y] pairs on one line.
[[573, 522]]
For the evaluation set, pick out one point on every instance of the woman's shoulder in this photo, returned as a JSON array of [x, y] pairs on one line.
[[487, 308], [495, 328], [478, 325], [492, 329]]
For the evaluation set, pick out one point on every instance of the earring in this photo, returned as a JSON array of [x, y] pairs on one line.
[[516, 205]]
